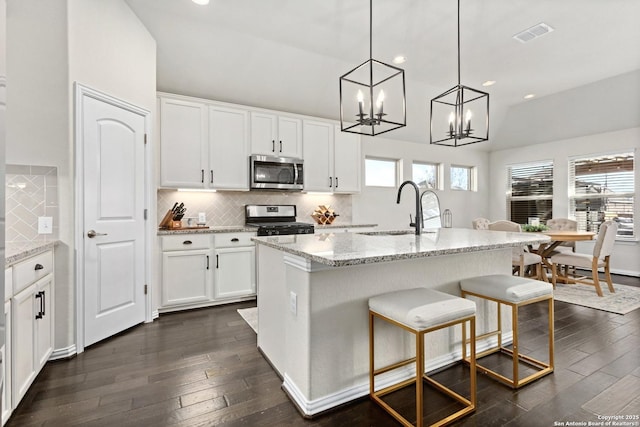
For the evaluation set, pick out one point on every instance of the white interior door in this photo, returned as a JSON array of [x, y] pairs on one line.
[[114, 231]]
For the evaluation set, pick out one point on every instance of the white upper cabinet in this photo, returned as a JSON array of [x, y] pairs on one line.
[[347, 161], [203, 145], [183, 143], [275, 135], [228, 148], [332, 158], [318, 156]]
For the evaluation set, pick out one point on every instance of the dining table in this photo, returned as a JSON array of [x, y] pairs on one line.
[[545, 250]]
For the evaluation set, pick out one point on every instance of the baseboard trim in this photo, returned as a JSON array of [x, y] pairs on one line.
[[63, 353], [311, 408]]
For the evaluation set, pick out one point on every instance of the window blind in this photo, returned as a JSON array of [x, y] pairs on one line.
[[530, 192], [602, 188]]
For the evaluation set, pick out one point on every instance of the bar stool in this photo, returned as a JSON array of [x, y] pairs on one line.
[[420, 311], [515, 292]]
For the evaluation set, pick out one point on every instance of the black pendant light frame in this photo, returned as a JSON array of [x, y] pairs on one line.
[[366, 121], [460, 133]]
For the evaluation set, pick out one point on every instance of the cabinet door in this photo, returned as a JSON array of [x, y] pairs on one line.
[[318, 143], [264, 133], [23, 309], [347, 162], [228, 148], [235, 272], [183, 144], [186, 277], [289, 143], [44, 324], [6, 365]]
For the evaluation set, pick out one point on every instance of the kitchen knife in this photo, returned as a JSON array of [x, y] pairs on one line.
[[173, 209]]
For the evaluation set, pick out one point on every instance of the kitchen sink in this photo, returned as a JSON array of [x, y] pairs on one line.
[[387, 233]]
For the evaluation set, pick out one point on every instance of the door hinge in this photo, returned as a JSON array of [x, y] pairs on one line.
[[146, 214], [145, 139], [145, 289]]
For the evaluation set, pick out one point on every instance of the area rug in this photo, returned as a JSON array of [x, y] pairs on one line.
[[623, 301], [250, 315]]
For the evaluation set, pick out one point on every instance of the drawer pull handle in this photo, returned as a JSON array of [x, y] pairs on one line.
[[187, 242], [235, 239], [39, 267]]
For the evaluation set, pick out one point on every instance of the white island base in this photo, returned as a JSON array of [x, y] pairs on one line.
[[313, 318]]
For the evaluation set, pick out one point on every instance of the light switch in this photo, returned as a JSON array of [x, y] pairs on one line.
[[45, 225]]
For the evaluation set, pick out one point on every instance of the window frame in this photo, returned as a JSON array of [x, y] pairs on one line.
[[542, 166], [471, 174], [396, 165], [573, 197], [438, 173]]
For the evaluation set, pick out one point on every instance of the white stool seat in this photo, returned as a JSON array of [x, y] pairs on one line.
[[512, 289], [421, 308]]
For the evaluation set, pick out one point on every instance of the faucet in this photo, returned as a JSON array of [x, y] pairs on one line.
[[418, 219]]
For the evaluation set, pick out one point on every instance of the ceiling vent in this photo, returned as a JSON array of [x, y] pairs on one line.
[[533, 32]]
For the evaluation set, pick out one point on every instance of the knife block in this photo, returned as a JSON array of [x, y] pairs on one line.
[[168, 222]]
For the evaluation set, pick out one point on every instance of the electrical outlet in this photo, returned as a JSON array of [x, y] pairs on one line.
[[45, 225], [293, 303]]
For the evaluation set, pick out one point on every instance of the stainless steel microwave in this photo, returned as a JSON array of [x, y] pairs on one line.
[[276, 173]]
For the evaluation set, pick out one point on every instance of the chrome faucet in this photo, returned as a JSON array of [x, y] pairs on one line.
[[418, 219]]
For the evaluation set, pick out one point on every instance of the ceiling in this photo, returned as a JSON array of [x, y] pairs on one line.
[[288, 54]]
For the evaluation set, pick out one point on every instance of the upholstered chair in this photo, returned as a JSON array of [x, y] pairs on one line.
[[600, 258], [480, 224], [521, 257], [564, 224]]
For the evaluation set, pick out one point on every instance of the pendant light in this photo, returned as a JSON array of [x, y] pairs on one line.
[[372, 95], [454, 111]]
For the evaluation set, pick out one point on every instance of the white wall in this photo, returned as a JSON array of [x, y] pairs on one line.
[[626, 256], [378, 205], [49, 46]]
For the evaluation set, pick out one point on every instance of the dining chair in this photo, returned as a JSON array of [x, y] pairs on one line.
[[600, 258], [480, 224], [521, 257], [563, 224]]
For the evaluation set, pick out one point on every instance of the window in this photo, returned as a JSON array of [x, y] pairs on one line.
[[426, 175], [380, 172], [602, 188], [530, 193], [462, 178]]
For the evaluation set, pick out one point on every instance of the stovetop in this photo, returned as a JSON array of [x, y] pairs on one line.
[[273, 220]]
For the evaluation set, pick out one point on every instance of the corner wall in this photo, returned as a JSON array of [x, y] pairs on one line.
[[626, 255]]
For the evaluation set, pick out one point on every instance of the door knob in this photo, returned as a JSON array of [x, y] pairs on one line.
[[92, 233]]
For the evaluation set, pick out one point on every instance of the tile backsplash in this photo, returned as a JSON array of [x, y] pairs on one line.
[[227, 208], [31, 192]]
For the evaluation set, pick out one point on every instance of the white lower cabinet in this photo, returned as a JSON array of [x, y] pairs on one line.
[[6, 365], [233, 277], [186, 277], [206, 269], [29, 313], [32, 318]]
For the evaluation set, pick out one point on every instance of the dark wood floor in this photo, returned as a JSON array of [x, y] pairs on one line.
[[202, 368]]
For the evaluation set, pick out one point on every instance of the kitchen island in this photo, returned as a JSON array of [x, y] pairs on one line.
[[313, 292]]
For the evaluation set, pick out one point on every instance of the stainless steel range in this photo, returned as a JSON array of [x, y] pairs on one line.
[[275, 220]]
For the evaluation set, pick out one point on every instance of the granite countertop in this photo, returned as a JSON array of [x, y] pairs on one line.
[[344, 249], [217, 229], [16, 252]]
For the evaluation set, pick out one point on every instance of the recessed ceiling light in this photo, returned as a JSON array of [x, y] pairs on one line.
[[201, 2], [489, 83], [533, 32], [399, 59], [529, 96]]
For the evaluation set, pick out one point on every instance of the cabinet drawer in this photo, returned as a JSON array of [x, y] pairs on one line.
[[186, 242], [229, 240], [32, 269]]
